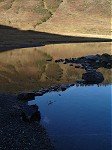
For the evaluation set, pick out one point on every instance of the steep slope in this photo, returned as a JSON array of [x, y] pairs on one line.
[[79, 16], [71, 17], [26, 14]]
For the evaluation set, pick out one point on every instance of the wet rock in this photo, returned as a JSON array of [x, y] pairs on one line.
[[109, 65], [80, 81], [97, 61], [93, 77], [63, 87], [89, 69], [26, 96], [39, 93], [72, 84], [92, 57]]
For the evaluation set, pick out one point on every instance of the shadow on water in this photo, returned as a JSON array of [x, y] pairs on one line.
[[12, 38]]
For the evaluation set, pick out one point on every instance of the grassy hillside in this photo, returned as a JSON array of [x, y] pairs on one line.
[[26, 13], [80, 16], [71, 17]]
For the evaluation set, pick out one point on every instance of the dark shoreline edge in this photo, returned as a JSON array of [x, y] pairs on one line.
[[16, 134]]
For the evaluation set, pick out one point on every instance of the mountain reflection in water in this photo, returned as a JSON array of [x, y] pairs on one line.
[[77, 118], [28, 69]]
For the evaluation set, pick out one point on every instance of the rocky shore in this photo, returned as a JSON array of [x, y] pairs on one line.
[[90, 64], [20, 124], [15, 133]]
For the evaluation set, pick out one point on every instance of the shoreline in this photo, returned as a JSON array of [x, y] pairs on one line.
[[17, 134], [13, 38]]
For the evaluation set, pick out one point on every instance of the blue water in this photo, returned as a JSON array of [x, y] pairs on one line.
[[78, 118]]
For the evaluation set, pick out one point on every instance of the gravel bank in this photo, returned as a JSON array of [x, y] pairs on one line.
[[15, 134]]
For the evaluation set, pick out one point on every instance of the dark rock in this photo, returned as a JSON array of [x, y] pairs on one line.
[[80, 81], [77, 66], [105, 58], [71, 64], [67, 60], [39, 93], [59, 60], [92, 57], [64, 62], [72, 84], [26, 96], [63, 87], [106, 55], [93, 77], [89, 69], [49, 60]]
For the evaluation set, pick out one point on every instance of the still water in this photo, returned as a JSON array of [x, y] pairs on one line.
[[28, 69], [78, 118]]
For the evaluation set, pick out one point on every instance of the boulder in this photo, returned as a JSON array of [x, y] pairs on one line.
[[64, 87], [92, 57], [93, 77]]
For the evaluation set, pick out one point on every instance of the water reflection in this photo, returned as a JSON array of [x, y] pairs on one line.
[[77, 118], [28, 69]]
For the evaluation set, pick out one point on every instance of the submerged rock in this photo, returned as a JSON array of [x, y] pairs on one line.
[[93, 77]]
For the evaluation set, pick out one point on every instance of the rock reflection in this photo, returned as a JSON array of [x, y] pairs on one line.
[[90, 63], [32, 69]]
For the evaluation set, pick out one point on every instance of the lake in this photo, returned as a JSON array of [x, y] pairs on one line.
[[78, 118]]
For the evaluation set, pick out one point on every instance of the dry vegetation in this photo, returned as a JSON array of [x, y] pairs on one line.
[[58, 16], [80, 17], [26, 13], [27, 69]]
